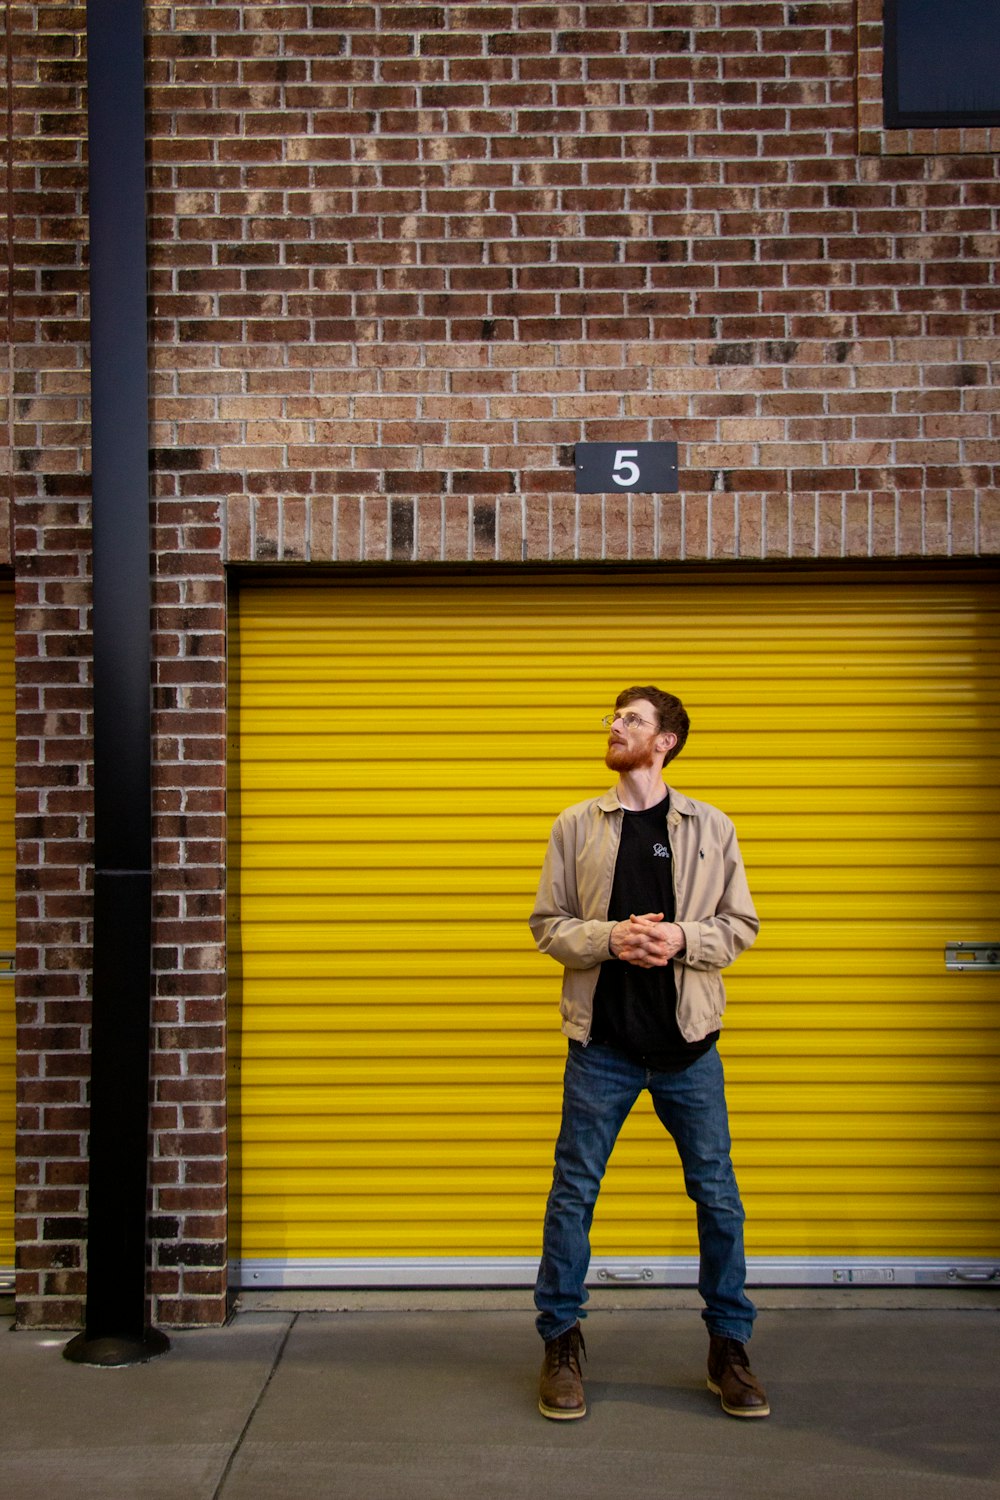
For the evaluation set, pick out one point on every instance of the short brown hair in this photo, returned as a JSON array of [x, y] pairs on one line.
[[670, 712]]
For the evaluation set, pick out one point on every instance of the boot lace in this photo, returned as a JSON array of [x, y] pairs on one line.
[[564, 1351]]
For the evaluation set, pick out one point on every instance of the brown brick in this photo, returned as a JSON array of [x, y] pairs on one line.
[[989, 524], [963, 524]]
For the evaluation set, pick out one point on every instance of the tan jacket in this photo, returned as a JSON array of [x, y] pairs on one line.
[[713, 905]]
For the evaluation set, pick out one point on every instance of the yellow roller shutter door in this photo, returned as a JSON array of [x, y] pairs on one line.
[[398, 755], [6, 928]]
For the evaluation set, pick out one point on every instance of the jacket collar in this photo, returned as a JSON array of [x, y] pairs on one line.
[[608, 801]]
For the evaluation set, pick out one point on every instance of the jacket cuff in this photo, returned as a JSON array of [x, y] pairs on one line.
[[692, 943], [605, 944]]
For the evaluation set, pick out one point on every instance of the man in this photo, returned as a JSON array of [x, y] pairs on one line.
[[643, 899]]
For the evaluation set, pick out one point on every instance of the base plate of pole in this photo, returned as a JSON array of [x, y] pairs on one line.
[[112, 1351]]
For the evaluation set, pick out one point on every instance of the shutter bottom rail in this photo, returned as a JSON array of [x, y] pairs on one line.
[[616, 1272]]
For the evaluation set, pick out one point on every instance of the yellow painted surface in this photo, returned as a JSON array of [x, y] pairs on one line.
[[6, 924], [398, 756]]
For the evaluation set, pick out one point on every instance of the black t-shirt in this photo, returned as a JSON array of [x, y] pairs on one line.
[[635, 1010]]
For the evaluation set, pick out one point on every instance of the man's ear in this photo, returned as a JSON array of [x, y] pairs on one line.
[[668, 742]]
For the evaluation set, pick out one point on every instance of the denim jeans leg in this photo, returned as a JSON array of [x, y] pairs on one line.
[[599, 1089], [692, 1106]]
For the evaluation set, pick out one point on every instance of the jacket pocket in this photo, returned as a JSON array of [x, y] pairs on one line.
[[701, 1001]]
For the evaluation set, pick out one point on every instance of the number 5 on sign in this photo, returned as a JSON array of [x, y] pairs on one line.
[[625, 471], [639, 469]]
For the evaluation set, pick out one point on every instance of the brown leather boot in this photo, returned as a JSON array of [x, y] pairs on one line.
[[730, 1377], [560, 1389]]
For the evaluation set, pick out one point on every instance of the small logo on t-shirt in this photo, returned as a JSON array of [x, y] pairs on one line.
[[661, 851]]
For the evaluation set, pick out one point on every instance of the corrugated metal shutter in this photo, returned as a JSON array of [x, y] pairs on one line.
[[398, 756], [6, 927]]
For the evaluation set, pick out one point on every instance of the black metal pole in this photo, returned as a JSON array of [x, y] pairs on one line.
[[117, 1331]]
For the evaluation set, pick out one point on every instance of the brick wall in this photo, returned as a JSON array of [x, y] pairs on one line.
[[403, 258], [48, 495]]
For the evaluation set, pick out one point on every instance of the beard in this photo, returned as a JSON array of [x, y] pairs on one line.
[[623, 758]]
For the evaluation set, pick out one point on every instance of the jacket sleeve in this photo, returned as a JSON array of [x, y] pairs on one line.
[[714, 941], [556, 923]]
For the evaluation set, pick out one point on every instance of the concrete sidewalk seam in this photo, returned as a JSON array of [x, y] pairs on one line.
[[224, 1476]]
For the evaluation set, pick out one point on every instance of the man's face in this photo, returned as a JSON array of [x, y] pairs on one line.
[[633, 747]]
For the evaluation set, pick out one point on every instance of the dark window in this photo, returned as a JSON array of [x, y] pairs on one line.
[[942, 63]]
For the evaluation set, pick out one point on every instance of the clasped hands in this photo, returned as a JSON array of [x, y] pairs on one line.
[[647, 941]]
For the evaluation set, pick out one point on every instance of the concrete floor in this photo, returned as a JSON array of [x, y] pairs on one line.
[[869, 1403]]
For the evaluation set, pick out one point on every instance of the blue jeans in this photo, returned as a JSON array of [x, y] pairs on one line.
[[601, 1086]]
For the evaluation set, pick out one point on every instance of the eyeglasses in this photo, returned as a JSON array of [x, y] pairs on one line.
[[631, 721]]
